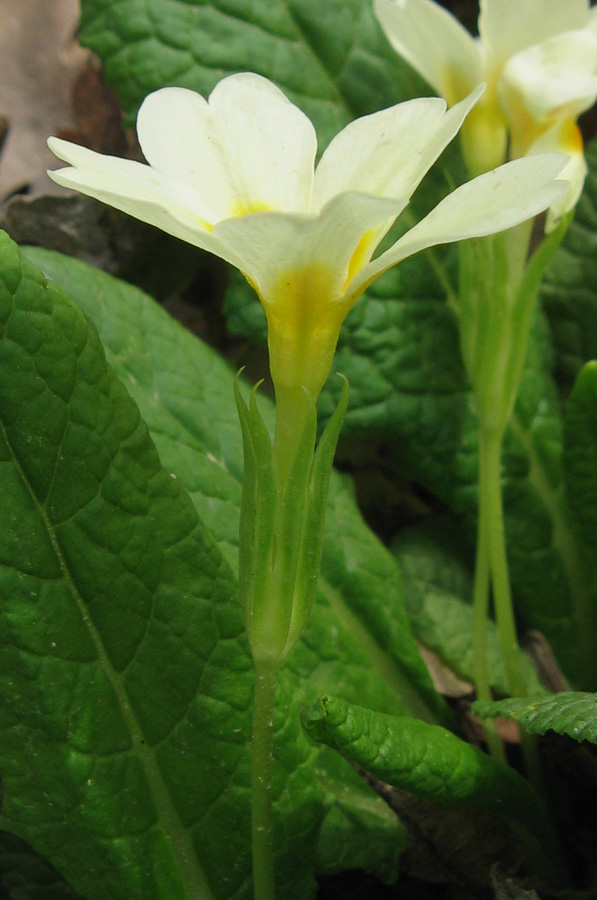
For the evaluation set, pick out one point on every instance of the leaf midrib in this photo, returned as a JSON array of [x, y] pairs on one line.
[[192, 874]]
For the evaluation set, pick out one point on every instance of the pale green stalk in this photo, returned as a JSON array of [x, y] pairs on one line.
[[498, 290], [480, 619], [262, 818]]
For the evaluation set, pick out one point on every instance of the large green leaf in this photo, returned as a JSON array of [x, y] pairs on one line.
[[24, 875], [572, 713], [580, 452], [358, 640], [331, 58], [438, 589], [126, 679]]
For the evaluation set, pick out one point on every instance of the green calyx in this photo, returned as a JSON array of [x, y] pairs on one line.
[[281, 525]]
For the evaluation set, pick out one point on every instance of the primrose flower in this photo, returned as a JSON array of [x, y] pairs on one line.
[[236, 176], [538, 59]]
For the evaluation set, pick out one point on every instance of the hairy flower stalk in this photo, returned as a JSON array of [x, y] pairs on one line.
[[235, 175], [538, 59]]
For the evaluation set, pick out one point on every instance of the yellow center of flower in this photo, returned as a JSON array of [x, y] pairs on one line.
[[361, 255], [571, 138], [454, 86], [244, 206]]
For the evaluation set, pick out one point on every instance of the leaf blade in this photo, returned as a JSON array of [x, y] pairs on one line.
[[62, 649], [570, 712]]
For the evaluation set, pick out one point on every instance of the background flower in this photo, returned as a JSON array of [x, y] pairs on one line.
[[538, 59]]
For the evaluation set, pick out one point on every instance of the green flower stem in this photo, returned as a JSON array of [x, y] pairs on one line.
[[261, 782], [283, 505], [479, 641], [491, 512], [492, 533]]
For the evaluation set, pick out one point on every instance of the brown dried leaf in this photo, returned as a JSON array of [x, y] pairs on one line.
[[39, 58]]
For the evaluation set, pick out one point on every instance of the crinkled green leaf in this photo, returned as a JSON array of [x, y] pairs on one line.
[[569, 712], [116, 607], [569, 291], [24, 875], [184, 390], [438, 593], [358, 639], [331, 58], [400, 352], [580, 451], [427, 761], [125, 670]]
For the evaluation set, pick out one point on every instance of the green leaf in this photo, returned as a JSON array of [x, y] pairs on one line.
[[358, 641], [360, 830], [400, 351], [429, 762], [399, 348], [331, 58], [184, 390], [124, 666], [436, 570], [423, 759], [580, 451], [26, 876], [572, 713]]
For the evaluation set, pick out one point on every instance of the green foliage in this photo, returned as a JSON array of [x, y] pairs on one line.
[[117, 606], [426, 761], [438, 588], [569, 712], [123, 662], [330, 58], [361, 646], [26, 876], [580, 452]]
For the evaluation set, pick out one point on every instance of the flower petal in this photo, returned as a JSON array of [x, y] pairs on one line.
[[490, 203], [434, 43], [246, 149], [564, 136], [558, 75], [138, 190], [387, 154], [509, 26]]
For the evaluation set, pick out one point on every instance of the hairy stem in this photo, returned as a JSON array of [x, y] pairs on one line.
[[480, 618], [261, 782]]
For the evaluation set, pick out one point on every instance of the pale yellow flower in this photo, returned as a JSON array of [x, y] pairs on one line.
[[236, 176], [538, 59]]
